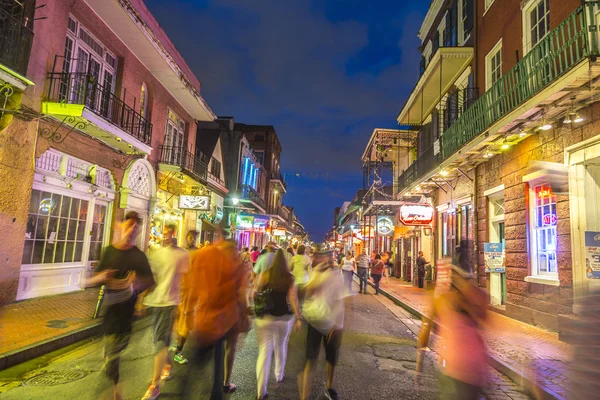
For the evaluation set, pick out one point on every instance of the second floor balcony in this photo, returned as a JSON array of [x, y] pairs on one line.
[[278, 181], [80, 99], [250, 195], [282, 213], [194, 165]]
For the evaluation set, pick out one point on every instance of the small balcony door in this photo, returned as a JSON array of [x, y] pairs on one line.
[[174, 140]]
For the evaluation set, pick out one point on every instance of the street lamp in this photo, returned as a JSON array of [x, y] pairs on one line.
[[351, 226], [235, 201]]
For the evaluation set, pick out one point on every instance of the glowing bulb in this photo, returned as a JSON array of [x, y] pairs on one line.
[[522, 134], [546, 127], [567, 120], [505, 145], [444, 172], [578, 118]]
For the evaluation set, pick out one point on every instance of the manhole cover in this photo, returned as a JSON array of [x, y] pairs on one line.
[[55, 378]]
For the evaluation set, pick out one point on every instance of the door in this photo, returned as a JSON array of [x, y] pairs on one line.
[[97, 236]]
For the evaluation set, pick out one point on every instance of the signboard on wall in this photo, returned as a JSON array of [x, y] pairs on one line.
[[278, 232], [385, 226], [493, 255], [592, 255], [200, 203], [416, 214]]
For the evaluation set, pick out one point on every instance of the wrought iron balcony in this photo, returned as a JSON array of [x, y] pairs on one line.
[[195, 165], [16, 35], [249, 194], [84, 89], [562, 49], [278, 177], [424, 164]]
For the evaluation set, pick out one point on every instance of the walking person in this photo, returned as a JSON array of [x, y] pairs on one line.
[[168, 264], [421, 263], [362, 263], [273, 328], [125, 271], [377, 271], [460, 313], [255, 253], [300, 267], [324, 312], [214, 306], [348, 270]]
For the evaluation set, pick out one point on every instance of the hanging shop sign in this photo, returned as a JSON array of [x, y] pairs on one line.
[[200, 203], [493, 255], [218, 215], [260, 224], [385, 226], [245, 222], [592, 255], [278, 232], [416, 214]]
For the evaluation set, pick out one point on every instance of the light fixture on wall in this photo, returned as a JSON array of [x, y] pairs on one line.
[[444, 172], [546, 127], [578, 118], [505, 145], [522, 134], [567, 119]]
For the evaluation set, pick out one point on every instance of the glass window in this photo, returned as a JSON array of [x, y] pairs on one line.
[[493, 65], [539, 21], [55, 229], [544, 231], [97, 232]]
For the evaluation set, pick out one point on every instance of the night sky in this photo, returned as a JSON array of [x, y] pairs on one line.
[[324, 73]]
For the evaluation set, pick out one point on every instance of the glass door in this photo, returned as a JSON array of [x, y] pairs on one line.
[[97, 236]]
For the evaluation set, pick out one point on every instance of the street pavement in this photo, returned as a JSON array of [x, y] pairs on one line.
[[377, 362]]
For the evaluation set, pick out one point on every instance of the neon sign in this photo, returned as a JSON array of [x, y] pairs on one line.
[[549, 219], [544, 193], [416, 214]]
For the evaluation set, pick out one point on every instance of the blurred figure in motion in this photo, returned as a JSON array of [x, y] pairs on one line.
[[421, 263], [362, 263], [459, 313], [348, 269], [324, 311], [255, 253], [377, 271], [169, 264], [300, 267], [125, 271], [584, 335], [214, 306], [274, 327]]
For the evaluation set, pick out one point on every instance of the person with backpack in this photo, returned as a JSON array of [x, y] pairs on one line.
[[377, 271], [274, 320]]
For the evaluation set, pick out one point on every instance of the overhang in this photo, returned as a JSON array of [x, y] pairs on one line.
[[447, 64], [128, 25]]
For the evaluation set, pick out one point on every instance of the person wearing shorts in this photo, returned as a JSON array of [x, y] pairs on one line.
[[168, 264]]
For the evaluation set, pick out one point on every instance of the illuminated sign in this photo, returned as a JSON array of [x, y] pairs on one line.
[[416, 214], [260, 224], [385, 226], [218, 214], [201, 203], [46, 205], [544, 193], [278, 232], [549, 219], [245, 222]]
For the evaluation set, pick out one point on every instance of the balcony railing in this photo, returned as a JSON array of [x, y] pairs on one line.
[[558, 52], [193, 164], [84, 89], [15, 37], [248, 193], [277, 176], [425, 163]]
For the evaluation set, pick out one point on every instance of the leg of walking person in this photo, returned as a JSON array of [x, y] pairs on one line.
[[201, 355], [219, 370], [282, 335], [114, 345], [230, 348], [162, 326], [332, 343], [376, 280], [364, 279], [313, 346], [265, 332]]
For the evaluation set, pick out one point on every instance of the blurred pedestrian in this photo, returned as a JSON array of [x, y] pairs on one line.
[[265, 260], [459, 313], [215, 304], [255, 253], [348, 270], [324, 312], [125, 271], [363, 271], [377, 271], [274, 327], [421, 263], [168, 264], [300, 267], [386, 258]]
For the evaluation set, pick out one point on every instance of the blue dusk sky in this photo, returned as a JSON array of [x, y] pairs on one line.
[[324, 73]]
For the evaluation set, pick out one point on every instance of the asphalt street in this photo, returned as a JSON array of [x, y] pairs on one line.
[[377, 362]]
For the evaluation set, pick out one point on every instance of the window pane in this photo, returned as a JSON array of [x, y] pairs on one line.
[[59, 252], [80, 230], [74, 208], [31, 222], [49, 253], [52, 227], [78, 251], [62, 229], [40, 232], [69, 252], [83, 210], [72, 229], [55, 204], [34, 204], [38, 250], [94, 253], [64, 208], [27, 252]]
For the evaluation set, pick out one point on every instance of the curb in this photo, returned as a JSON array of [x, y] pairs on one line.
[[35, 350], [513, 373]]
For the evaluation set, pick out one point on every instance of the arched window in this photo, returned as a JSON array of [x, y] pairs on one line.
[[144, 101]]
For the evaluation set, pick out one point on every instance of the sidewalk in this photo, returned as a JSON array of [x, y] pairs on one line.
[[34, 327], [516, 349]]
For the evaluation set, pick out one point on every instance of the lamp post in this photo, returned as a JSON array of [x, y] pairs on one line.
[[233, 221]]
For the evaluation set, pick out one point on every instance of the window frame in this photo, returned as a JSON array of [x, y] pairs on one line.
[[493, 55], [486, 5], [527, 10], [534, 232]]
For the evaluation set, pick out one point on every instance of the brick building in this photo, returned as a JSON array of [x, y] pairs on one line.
[[517, 163], [112, 127]]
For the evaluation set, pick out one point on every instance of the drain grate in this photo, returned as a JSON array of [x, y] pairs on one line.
[[55, 378]]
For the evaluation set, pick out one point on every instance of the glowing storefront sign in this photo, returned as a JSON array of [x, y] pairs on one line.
[[416, 214], [385, 225], [278, 232], [245, 222], [201, 203]]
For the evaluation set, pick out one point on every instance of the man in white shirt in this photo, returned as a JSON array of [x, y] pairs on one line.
[[168, 264]]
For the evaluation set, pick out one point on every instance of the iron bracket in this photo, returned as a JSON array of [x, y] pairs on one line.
[[56, 136]]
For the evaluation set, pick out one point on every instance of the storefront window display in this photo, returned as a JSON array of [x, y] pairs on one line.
[[544, 238]]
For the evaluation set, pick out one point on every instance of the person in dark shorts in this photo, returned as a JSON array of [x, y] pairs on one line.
[[325, 291], [125, 271]]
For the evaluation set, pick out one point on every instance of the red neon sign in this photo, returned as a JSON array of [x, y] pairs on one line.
[[416, 214]]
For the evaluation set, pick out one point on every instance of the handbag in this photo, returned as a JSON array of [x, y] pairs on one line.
[[263, 302]]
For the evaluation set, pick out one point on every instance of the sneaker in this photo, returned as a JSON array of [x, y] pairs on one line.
[[152, 393], [165, 375], [332, 394], [179, 358]]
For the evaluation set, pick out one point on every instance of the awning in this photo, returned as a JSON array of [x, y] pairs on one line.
[[442, 71]]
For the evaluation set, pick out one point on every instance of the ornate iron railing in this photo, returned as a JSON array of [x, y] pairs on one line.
[[277, 176], [248, 193], [84, 89], [425, 163], [563, 48], [194, 165], [16, 36]]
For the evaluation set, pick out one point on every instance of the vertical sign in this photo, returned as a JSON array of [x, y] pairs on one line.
[[493, 254], [592, 255]]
